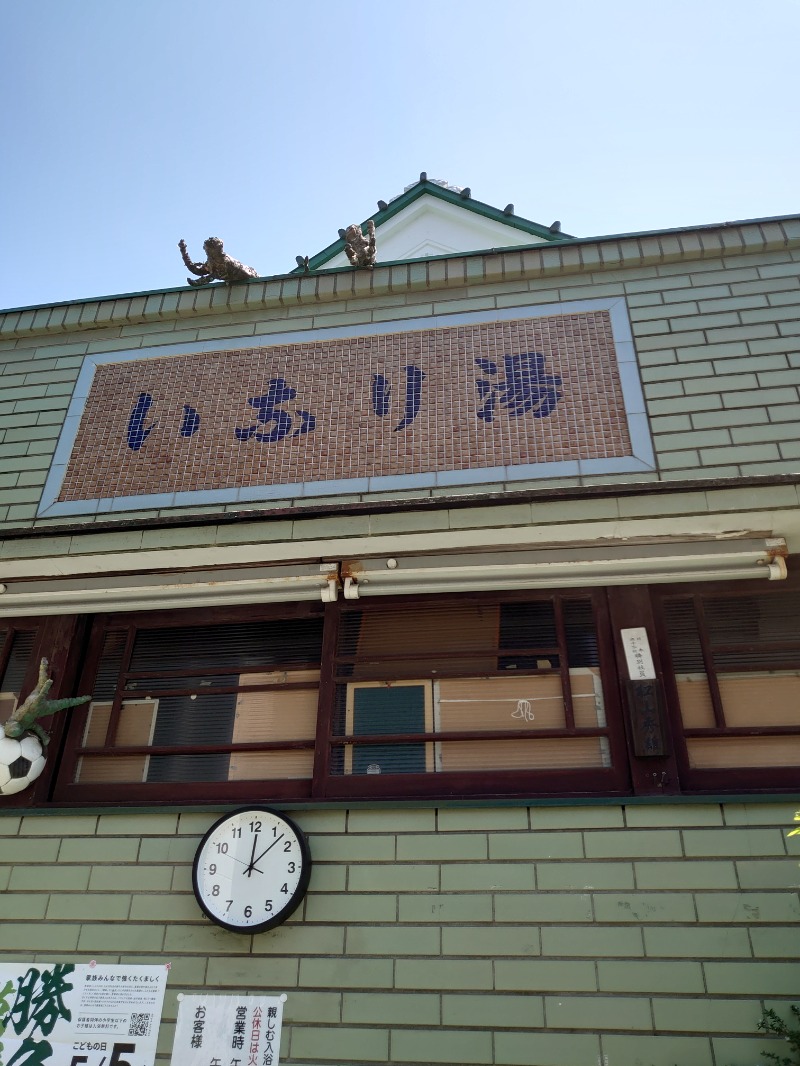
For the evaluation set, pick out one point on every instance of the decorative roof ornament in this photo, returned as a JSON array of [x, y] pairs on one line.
[[360, 249], [218, 266]]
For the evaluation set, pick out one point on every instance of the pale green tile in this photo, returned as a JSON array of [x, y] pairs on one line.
[[395, 1008], [441, 1045], [547, 1049], [545, 975], [597, 1012], [657, 1050], [482, 1010]]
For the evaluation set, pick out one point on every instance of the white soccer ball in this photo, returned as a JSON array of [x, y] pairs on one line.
[[21, 762]]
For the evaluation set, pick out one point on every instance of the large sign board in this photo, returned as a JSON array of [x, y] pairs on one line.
[[60, 1014], [454, 400]]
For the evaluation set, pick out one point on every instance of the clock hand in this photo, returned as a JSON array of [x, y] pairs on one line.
[[240, 861], [252, 864], [264, 852]]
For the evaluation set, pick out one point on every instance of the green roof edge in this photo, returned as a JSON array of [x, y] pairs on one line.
[[423, 188]]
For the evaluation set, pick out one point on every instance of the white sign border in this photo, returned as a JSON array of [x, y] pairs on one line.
[[641, 458]]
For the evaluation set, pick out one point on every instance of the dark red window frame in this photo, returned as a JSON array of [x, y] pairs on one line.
[[723, 779], [614, 608]]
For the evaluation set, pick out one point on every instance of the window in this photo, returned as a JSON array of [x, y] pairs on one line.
[[494, 696], [470, 695], [491, 696], [194, 705], [734, 678]]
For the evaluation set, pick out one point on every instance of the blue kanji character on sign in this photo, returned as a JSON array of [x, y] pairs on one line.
[[381, 390], [526, 388], [278, 392]]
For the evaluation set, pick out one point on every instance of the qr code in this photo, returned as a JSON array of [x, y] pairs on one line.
[[140, 1025]]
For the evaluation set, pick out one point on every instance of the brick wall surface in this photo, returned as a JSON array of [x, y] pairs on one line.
[[638, 935], [718, 340]]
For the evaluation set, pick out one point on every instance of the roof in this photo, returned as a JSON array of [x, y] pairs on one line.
[[490, 227]]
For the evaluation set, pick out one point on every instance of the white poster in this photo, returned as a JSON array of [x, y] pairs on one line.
[[228, 1031], [61, 1014], [637, 654]]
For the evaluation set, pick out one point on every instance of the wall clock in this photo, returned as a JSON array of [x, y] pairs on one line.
[[251, 870]]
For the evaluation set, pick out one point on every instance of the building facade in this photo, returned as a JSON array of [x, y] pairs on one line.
[[482, 565]]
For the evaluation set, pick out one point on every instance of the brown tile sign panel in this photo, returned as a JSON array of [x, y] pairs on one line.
[[485, 394]]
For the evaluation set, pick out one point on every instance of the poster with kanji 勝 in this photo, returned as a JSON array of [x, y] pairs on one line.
[[61, 1014], [228, 1031]]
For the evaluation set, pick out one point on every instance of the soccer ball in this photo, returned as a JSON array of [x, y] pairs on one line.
[[21, 762]]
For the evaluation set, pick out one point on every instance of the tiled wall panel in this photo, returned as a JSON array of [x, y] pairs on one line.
[[652, 933], [718, 341]]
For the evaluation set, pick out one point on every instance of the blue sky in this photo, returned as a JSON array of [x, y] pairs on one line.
[[126, 126]]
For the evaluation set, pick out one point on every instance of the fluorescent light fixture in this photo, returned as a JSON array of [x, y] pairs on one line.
[[618, 564], [196, 588], [641, 564]]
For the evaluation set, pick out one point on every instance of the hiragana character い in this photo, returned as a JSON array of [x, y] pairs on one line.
[[137, 432]]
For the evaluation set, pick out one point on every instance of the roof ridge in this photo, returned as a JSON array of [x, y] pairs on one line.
[[453, 194]]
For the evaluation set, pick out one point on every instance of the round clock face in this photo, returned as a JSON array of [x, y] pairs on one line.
[[251, 870]]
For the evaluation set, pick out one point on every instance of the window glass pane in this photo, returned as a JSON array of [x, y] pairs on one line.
[[687, 652], [761, 620], [272, 765], [529, 626], [543, 754], [21, 648], [761, 697], [188, 720], [248, 644], [134, 728], [733, 752], [753, 656], [581, 634], [694, 693], [378, 709], [395, 642], [108, 669]]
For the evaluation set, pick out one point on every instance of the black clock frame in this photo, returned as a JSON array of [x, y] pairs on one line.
[[296, 897]]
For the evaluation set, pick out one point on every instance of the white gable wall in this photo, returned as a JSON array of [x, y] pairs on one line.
[[430, 226]]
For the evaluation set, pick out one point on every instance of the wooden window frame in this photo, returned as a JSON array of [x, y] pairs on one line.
[[712, 780], [64, 789], [583, 781], [613, 780], [69, 641]]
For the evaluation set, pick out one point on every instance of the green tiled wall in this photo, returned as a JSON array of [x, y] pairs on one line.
[[639, 935]]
